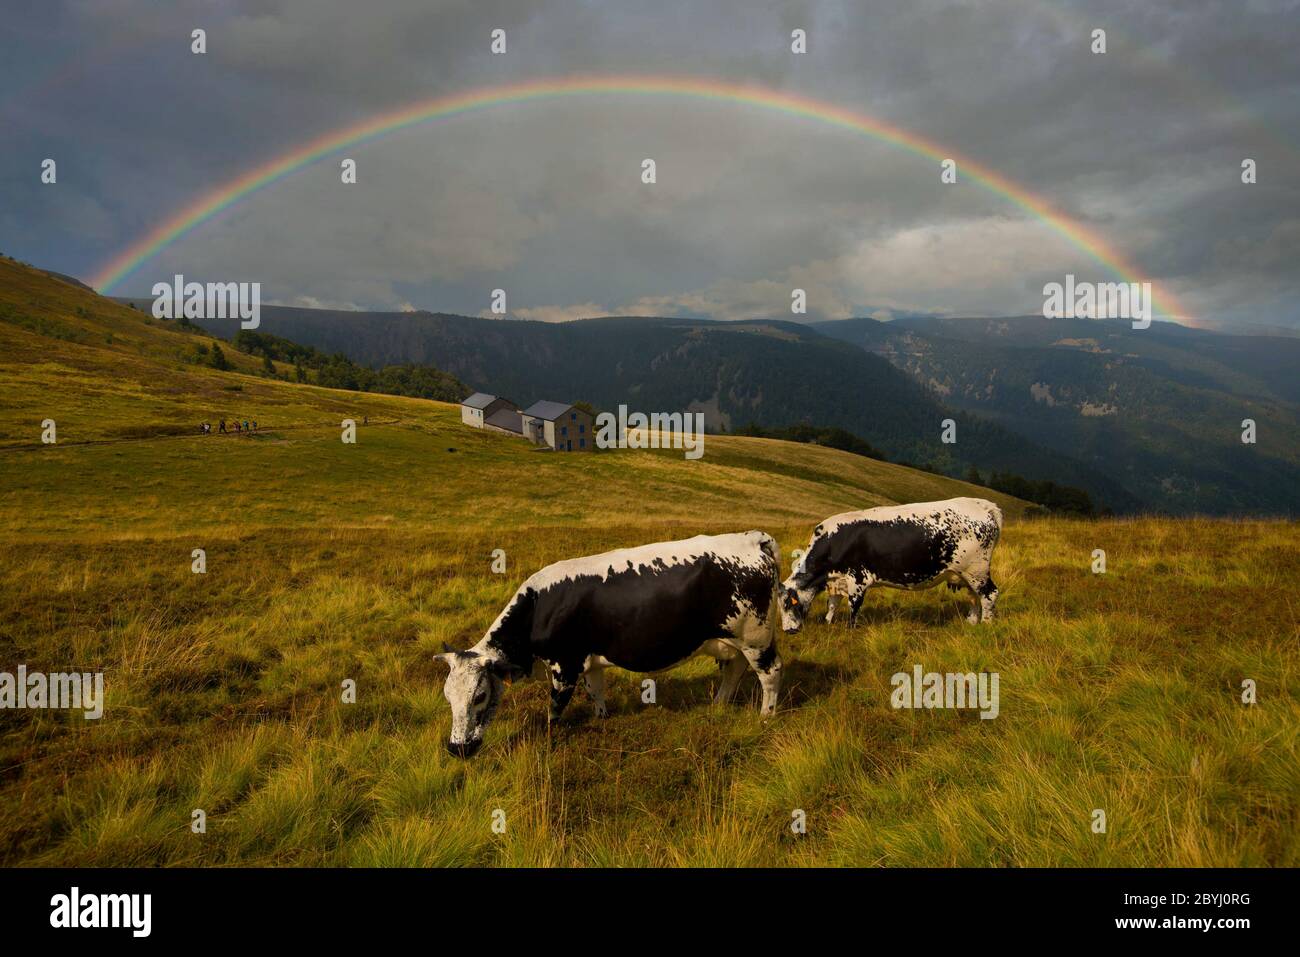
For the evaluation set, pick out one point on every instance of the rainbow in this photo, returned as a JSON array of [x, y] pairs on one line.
[[226, 195]]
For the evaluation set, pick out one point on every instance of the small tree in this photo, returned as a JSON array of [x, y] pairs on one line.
[[218, 359], [973, 476]]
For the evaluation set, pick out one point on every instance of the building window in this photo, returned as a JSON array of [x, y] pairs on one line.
[[573, 417], [564, 430], [582, 443], [582, 427]]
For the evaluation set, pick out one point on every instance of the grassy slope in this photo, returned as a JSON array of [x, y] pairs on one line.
[[328, 561]]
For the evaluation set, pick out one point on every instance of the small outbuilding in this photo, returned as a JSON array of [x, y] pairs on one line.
[[480, 408], [559, 426]]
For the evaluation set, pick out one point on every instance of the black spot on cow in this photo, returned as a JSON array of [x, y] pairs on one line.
[[900, 551], [636, 619]]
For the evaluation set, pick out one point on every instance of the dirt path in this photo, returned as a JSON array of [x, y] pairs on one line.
[[264, 430]]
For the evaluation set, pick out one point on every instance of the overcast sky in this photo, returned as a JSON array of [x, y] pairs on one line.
[[1143, 144]]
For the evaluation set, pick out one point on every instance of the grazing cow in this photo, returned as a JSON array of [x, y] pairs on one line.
[[643, 609], [898, 546]]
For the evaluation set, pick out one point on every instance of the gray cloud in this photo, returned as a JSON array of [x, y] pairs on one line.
[[1143, 145]]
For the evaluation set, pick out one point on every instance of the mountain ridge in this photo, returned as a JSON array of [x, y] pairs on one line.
[[1163, 407], [1142, 424]]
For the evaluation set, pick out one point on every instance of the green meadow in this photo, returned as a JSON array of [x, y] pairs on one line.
[[328, 562]]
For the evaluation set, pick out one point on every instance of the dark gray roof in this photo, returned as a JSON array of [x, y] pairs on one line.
[[506, 419], [479, 400], [549, 411]]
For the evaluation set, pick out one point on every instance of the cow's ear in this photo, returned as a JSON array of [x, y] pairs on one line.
[[445, 659], [447, 648]]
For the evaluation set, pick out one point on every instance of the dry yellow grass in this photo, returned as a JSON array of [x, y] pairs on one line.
[[329, 561]]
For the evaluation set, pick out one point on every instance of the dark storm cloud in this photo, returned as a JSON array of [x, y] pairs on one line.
[[1142, 144]]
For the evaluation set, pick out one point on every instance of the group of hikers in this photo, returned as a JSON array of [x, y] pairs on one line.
[[243, 425], [205, 428]]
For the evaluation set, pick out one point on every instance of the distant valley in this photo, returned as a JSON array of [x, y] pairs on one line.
[[1160, 408]]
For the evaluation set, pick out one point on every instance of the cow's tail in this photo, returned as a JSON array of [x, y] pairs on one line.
[[995, 514], [772, 551], [769, 546]]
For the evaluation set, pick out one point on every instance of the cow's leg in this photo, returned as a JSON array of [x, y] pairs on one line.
[[766, 663], [832, 605], [594, 679], [972, 587], [733, 669], [563, 682], [983, 592], [857, 593], [988, 598]]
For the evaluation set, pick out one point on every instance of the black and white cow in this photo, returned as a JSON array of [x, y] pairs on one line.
[[898, 546], [644, 609]]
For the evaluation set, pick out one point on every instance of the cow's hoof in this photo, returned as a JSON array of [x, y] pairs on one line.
[[602, 712]]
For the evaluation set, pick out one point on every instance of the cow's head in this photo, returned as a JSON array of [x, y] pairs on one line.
[[794, 605], [799, 590], [473, 689]]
